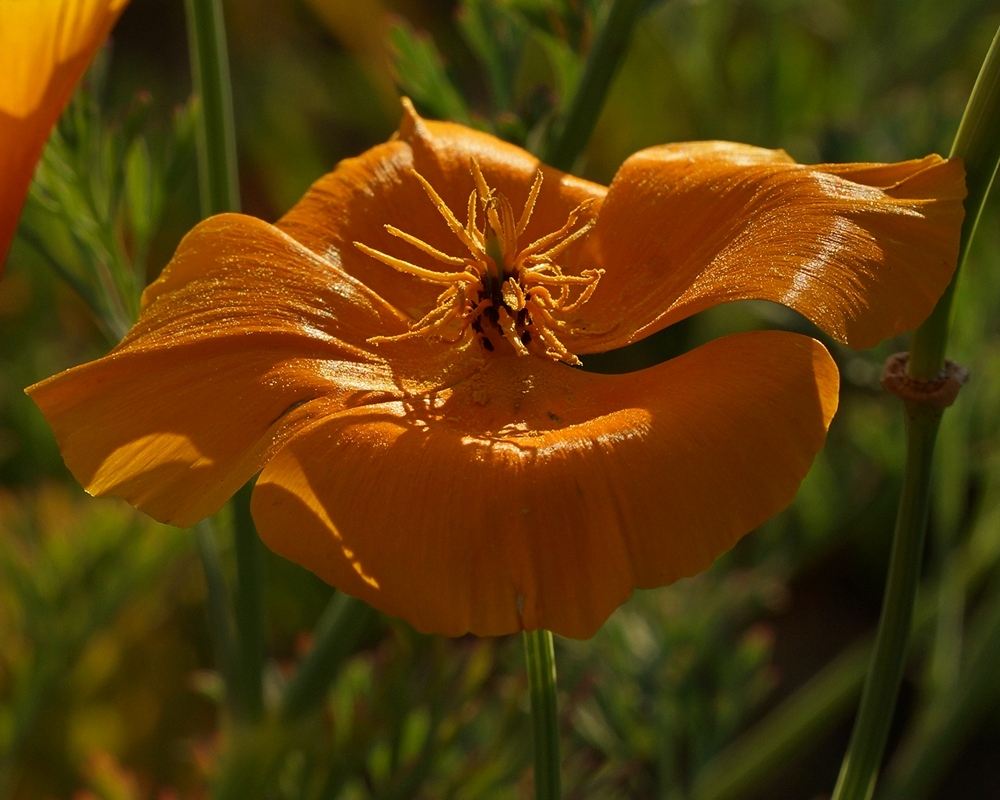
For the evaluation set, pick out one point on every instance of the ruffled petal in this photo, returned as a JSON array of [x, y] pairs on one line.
[[534, 495], [235, 275], [862, 250], [362, 195], [245, 338], [44, 49]]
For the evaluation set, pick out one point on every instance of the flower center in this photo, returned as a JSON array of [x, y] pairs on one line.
[[511, 297]]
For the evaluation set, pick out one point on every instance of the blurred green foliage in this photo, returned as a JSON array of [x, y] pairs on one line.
[[108, 684], [98, 197]]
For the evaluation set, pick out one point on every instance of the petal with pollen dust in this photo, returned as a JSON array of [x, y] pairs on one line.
[[362, 195], [45, 46], [246, 337], [862, 250], [534, 495]]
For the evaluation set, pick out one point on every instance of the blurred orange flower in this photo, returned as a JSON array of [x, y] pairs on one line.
[[395, 354], [45, 46]]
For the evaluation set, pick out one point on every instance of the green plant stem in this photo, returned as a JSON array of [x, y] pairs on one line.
[[871, 729], [215, 132], [249, 609], [338, 632], [219, 185], [561, 151], [932, 744], [540, 657], [976, 142], [606, 55], [978, 145], [759, 756]]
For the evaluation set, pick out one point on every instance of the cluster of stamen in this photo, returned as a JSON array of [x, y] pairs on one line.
[[504, 294]]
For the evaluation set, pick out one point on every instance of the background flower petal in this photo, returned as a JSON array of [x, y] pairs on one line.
[[45, 46], [246, 337], [862, 250], [362, 195], [535, 495]]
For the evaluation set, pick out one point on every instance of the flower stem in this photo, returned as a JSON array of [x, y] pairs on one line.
[[249, 610], [976, 143], [606, 54], [561, 152], [219, 185], [540, 657], [215, 132], [758, 757], [871, 729], [932, 744]]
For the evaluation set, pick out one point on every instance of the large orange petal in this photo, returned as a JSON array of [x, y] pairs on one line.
[[863, 250], [45, 46], [535, 495], [245, 338], [362, 195], [234, 275]]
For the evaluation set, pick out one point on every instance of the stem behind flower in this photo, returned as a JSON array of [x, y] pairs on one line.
[[977, 143], [540, 656], [605, 57], [217, 176]]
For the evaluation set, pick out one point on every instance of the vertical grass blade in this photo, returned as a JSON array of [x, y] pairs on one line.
[[215, 133], [979, 146], [540, 657]]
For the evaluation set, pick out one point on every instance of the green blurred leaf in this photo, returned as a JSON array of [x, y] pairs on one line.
[[420, 72], [140, 190]]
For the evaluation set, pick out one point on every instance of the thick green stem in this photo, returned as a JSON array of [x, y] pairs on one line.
[[249, 609], [219, 184], [761, 754], [929, 750], [215, 133], [606, 54], [978, 145], [540, 657], [338, 632], [871, 729]]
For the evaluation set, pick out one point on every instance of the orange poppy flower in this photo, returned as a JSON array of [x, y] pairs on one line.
[[45, 46], [395, 354]]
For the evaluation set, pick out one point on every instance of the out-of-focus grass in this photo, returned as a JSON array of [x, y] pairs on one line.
[[105, 682], [96, 608]]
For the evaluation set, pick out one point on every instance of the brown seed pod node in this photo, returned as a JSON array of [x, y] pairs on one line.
[[939, 392]]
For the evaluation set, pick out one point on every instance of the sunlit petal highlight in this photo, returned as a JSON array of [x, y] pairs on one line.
[[862, 250]]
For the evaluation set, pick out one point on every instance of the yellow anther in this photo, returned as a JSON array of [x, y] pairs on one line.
[[481, 186], [449, 217], [529, 206], [470, 225], [414, 270], [420, 244], [503, 292]]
